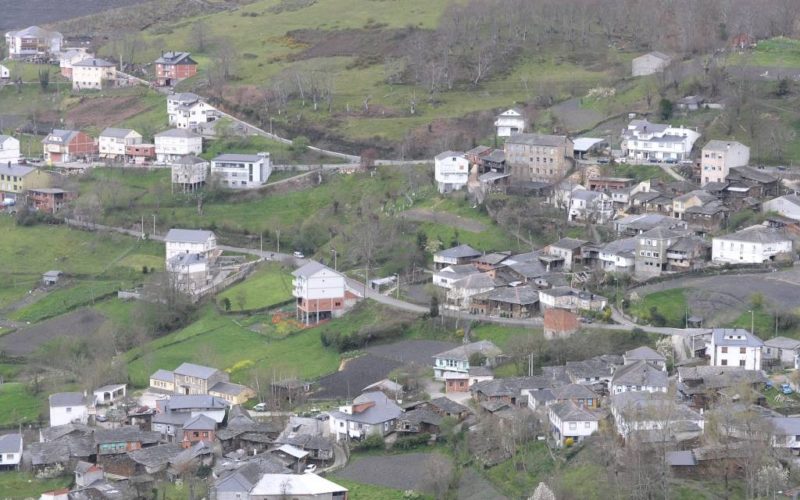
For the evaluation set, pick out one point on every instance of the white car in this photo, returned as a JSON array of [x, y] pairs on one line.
[[260, 407], [310, 468], [299, 255]]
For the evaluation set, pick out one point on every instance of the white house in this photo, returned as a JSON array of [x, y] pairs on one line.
[[370, 413], [618, 256], [639, 376], [785, 432], [458, 255], [68, 407], [295, 486], [175, 143], [718, 158], [781, 350], [735, 347], [594, 206], [643, 141], [752, 245], [113, 141], [68, 57], [320, 293], [9, 150], [186, 110], [190, 241], [459, 295], [787, 206], [33, 42], [653, 411], [10, 451], [93, 74], [109, 394], [510, 122], [242, 171], [568, 420], [456, 360], [5, 73], [650, 63], [451, 171], [189, 173], [446, 276]]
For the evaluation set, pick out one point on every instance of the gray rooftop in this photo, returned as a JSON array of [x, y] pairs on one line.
[[126, 434], [756, 234], [235, 157], [463, 352], [94, 61], [640, 373], [736, 337], [118, 133], [178, 132], [175, 58], [200, 422], [782, 343], [448, 154], [458, 252], [568, 411], [573, 391], [644, 353], [189, 160], [538, 140], [720, 146], [569, 243], [61, 399], [188, 236], [522, 295], [311, 268], [196, 401], [228, 388], [11, 443], [447, 405], [383, 410], [511, 386], [164, 376], [193, 370], [155, 456], [15, 170]]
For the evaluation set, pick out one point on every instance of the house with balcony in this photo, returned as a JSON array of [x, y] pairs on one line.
[[242, 171], [370, 413], [644, 142], [569, 421], [49, 200], [113, 142], [172, 67], [187, 110], [189, 173], [33, 43], [510, 122], [93, 74], [451, 171], [457, 360], [173, 144], [68, 146], [457, 255], [321, 293]]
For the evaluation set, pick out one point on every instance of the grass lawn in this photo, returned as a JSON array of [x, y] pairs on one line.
[[521, 483], [500, 334], [363, 491], [268, 286], [116, 310], [670, 303], [66, 299], [20, 406], [779, 51], [18, 485], [279, 152]]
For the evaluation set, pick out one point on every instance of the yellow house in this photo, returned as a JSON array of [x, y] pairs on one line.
[[16, 179], [235, 394], [93, 74]]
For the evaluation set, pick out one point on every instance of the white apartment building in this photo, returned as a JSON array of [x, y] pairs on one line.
[[113, 141], [451, 171], [242, 171], [735, 347], [719, 157], [93, 74], [643, 141], [190, 241], [9, 150], [187, 110], [172, 144], [33, 42], [752, 245], [510, 122], [320, 293]]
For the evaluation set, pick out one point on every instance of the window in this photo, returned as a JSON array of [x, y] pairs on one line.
[[724, 362], [68, 410], [586, 425], [724, 350], [573, 426], [742, 350]]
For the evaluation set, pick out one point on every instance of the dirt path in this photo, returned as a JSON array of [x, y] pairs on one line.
[[447, 219]]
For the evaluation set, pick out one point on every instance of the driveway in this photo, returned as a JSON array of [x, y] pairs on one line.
[[435, 389]]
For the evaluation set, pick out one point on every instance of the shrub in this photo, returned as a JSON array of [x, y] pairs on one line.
[[407, 443], [371, 442]]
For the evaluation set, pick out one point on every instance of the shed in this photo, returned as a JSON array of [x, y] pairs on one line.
[[51, 277]]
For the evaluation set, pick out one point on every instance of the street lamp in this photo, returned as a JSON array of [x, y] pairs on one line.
[[397, 286]]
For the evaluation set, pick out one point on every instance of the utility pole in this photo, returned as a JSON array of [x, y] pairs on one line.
[[335, 254], [154, 224], [278, 234], [142, 226], [261, 242], [397, 287]]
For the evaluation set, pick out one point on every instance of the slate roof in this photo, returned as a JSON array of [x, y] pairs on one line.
[[789, 426], [702, 195], [600, 366], [189, 160], [306, 442], [310, 269], [567, 411], [384, 409], [463, 352], [200, 422], [641, 125], [198, 449], [59, 431], [643, 406], [640, 373], [164, 376], [458, 252], [782, 343], [520, 295], [493, 258], [748, 340], [195, 401], [188, 236], [447, 154], [127, 434], [720, 146], [228, 388], [16, 170], [569, 243], [33, 32], [235, 157], [447, 405], [538, 140], [240, 480], [94, 61], [572, 391], [11, 443], [621, 246], [753, 174], [62, 399], [681, 458], [117, 133], [755, 234], [191, 369], [710, 208], [173, 57], [699, 379], [178, 132], [643, 353], [511, 386], [155, 456]]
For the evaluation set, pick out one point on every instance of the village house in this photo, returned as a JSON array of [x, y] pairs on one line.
[[786, 206], [489, 262], [15, 180], [511, 391], [187, 110], [650, 63], [701, 386], [461, 382], [457, 360], [48, 200], [518, 302], [458, 255], [542, 158], [643, 141], [652, 249], [140, 154], [645, 353], [696, 198], [114, 141], [33, 43], [451, 171], [571, 422], [172, 67], [68, 407], [446, 407], [109, 394], [688, 253], [196, 379], [753, 245], [749, 181], [70, 56], [191, 241], [654, 412], [568, 249], [370, 413], [459, 294], [735, 347], [300, 486], [632, 225], [320, 293], [639, 376], [690, 103], [419, 420], [719, 157], [446, 276], [10, 451], [65, 146], [785, 433], [596, 371], [9, 150], [618, 256], [199, 428], [560, 323], [189, 173], [571, 299], [174, 412], [578, 394], [87, 473], [708, 218], [242, 171], [172, 144], [781, 351], [592, 206], [510, 122], [93, 74]]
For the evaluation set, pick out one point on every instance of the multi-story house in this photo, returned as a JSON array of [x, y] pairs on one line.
[[735, 347], [33, 43], [93, 74], [651, 250], [67, 146], [696, 198], [618, 256], [593, 206], [786, 206], [458, 255], [10, 451], [196, 379], [173, 67], [242, 171], [568, 249], [320, 293], [371, 413], [570, 298], [49, 200], [707, 218], [719, 157], [688, 253], [189, 173], [536, 157], [510, 122], [571, 421], [172, 144], [9, 150], [68, 407], [69, 57], [451, 171], [15, 180], [653, 412], [199, 428], [647, 354], [639, 376], [782, 351], [188, 110], [191, 241], [456, 361], [643, 141], [113, 142], [752, 245]]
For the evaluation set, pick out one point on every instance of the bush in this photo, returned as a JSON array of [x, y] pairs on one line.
[[371, 442], [407, 443]]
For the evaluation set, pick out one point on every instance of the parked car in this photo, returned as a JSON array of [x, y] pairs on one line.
[[310, 468], [786, 389], [260, 407], [603, 161], [671, 161], [298, 255], [101, 418], [769, 384]]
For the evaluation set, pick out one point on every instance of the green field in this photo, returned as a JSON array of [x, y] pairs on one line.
[[271, 284], [363, 491], [64, 300], [19, 405], [779, 51], [19, 485], [671, 304], [515, 483]]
